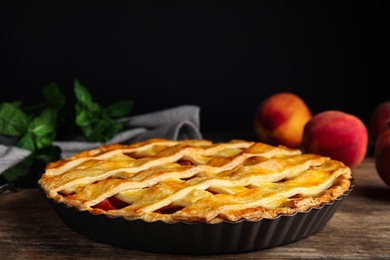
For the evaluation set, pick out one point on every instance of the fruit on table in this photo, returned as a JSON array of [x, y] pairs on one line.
[[338, 135], [382, 153], [378, 117], [280, 119]]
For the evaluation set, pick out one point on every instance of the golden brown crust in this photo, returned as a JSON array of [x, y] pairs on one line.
[[196, 180]]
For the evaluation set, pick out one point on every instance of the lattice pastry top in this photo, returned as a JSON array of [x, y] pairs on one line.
[[195, 180]]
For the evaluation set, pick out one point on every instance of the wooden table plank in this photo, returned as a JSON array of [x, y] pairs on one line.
[[360, 229]]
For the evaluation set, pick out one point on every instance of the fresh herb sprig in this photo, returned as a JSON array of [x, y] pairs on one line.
[[95, 122], [35, 128]]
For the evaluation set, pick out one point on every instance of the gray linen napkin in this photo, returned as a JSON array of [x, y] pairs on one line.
[[177, 123]]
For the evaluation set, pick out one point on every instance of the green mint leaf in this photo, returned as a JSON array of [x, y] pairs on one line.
[[46, 140], [27, 142], [103, 130], [85, 115], [93, 131], [113, 129], [53, 96], [43, 127], [95, 122], [13, 121], [82, 117], [120, 109], [82, 94], [87, 132], [86, 109], [44, 123]]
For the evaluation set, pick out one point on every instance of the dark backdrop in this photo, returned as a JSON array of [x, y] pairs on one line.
[[224, 57]]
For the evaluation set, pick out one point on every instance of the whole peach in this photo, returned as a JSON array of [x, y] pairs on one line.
[[382, 153], [378, 117], [336, 134], [280, 118]]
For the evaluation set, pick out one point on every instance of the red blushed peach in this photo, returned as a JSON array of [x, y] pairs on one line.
[[338, 135], [382, 153], [378, 117], [279, 119]]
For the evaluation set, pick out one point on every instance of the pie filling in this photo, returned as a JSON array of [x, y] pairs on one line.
[[195, 180]]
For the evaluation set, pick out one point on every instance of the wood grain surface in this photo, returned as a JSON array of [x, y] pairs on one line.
[[360, 229]]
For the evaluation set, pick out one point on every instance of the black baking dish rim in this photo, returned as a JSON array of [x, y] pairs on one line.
[[185, 238]]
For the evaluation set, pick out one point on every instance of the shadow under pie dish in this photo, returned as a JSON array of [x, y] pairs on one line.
[[196, 196]]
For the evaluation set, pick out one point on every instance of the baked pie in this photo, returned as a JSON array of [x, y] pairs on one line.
[[195, 181]]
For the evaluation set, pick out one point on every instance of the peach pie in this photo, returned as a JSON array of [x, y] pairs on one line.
[[195, 181]]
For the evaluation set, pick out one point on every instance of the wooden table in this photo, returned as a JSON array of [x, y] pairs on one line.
[[360, 229]]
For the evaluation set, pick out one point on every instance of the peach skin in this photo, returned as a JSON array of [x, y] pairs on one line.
[[279, 119], [382, 153], [336, 134], [378, 117]]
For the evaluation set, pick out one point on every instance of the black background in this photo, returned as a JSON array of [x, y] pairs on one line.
[[225, 57]]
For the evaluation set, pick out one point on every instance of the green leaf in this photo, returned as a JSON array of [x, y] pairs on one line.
[[53, 96], [88, 133], [82, 94], [120, 109], [43, 128], [85, 116], [13, 121], [113, 129], [44, 123], [95, 133], [46, 140], [103, 130], [86, 109], [27, 142], [82, 118]]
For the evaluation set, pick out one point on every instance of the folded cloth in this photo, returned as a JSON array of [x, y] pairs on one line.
[[175, 123]]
